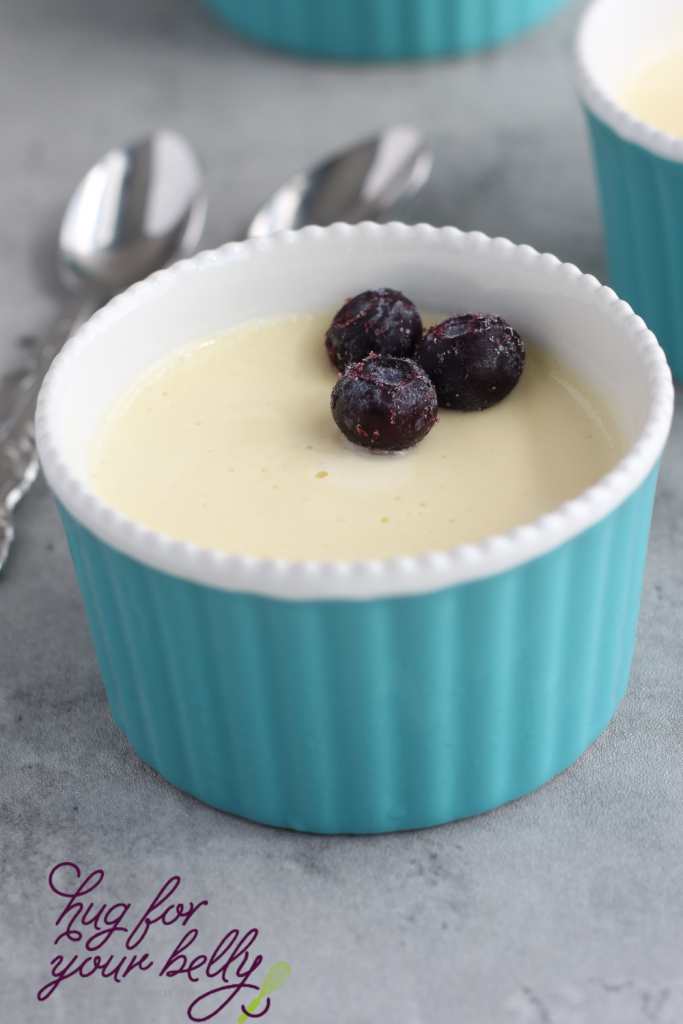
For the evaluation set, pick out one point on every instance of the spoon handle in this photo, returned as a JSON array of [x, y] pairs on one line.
[[18, 396]]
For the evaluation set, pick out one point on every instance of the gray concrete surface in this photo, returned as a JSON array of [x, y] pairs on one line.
[[565, 907]]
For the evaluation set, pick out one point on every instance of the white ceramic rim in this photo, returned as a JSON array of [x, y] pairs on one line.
[[626, 125], [368, 579]]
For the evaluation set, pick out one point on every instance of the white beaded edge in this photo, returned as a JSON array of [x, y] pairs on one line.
[[368, 579], [626, 125]]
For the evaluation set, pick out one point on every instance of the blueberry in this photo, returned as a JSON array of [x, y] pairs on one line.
[[474, 360], [382, 321], [384, 403]]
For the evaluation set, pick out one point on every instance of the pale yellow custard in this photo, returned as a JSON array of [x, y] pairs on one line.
[[231, 444], [654, 89]]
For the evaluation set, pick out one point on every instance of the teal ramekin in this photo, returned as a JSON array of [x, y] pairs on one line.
[[639, 168], [383, 29], [364, 696]]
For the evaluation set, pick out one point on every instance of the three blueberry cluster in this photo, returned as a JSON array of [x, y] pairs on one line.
[[392, 377]]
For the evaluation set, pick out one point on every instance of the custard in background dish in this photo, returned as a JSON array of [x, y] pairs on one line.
[[653, 91], [630, 78], [230, 444]]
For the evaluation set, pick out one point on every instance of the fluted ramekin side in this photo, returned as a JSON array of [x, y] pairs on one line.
[[383, 29]]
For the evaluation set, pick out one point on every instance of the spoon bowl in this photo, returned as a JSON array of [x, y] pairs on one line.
[[139, 208], [367, 182]]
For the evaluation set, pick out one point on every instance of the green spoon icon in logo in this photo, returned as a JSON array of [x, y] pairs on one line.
[[277, 976]]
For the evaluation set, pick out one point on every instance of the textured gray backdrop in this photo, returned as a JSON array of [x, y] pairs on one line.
[[565, 907]]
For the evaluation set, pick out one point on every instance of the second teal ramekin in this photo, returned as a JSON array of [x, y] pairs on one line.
[[383, 29], [639, 170], [378, 695]]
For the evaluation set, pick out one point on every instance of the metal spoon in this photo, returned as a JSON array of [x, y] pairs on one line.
[[367, 182], [139, 208]]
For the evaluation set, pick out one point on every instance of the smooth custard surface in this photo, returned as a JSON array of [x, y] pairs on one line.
[[654, 89], [231, 444]]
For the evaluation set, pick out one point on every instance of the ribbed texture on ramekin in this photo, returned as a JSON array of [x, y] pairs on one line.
[[382, 29], [642, 207], [398, 713]]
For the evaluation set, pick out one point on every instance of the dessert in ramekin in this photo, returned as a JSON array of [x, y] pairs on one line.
[[364, 696], [639, 166]]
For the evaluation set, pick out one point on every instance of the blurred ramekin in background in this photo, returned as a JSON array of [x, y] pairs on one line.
[[364, 696], [639, 168], [382, 29]]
